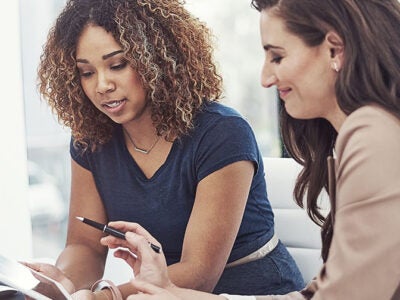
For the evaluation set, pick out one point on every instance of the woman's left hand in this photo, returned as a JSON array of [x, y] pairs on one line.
[[54, 273]]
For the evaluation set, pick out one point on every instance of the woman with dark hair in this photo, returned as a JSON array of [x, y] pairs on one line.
[[136, 83], [336, 66]]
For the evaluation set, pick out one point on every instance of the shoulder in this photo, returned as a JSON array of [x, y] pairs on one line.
[[79, 153], [367, 150], [370, 126], [217, 108], [372, 116], [216, 116]]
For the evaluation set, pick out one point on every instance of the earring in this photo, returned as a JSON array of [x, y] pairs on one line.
[[335, 66]]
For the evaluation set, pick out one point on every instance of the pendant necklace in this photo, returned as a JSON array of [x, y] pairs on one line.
[[141, 150]]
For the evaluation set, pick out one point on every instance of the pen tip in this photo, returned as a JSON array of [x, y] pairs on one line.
[[79, 218]]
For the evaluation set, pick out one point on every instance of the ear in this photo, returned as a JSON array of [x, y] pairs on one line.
[[336, 47]]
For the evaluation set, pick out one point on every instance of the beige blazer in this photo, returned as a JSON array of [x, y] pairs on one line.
[[364, 257]]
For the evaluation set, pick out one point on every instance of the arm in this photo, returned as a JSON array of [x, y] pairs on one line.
[[83, 258], [213, 225], [212, 228]]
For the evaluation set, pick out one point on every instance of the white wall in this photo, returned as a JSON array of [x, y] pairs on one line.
[[15, 227]]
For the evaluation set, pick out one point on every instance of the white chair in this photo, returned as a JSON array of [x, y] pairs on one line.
[[292, 224]]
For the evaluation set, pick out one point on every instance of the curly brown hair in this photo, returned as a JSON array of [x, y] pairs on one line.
[[169, 48]]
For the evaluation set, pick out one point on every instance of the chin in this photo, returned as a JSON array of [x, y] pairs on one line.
[[298, 113]]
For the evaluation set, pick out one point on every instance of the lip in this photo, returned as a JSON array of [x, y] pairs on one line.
[[283, 92], [114, 106]]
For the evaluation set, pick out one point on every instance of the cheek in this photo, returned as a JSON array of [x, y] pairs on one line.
[[308, 75], [134, 84], [292, 73], [87, 89]]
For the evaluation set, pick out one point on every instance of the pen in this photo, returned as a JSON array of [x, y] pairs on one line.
[[112, 231]]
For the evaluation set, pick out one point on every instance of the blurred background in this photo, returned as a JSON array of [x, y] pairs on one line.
[[239, 55]]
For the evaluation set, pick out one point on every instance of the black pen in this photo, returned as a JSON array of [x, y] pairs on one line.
[[111, 231]]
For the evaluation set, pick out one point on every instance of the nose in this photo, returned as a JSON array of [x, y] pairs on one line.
[[104, 84], [268, 78]]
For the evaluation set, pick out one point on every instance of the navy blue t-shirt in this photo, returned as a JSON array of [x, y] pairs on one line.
[[163, 203]]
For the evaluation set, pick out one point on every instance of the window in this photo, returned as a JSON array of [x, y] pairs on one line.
[[239, 54], [47, 142]]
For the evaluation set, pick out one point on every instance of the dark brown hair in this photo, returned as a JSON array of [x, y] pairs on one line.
[[370, 74], [169, 48]]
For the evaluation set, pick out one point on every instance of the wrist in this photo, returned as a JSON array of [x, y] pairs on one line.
[[172, 288], [68, 285], [104, 294], [106, 289]]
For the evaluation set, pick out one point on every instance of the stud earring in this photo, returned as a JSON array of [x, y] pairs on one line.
[[335, 66]]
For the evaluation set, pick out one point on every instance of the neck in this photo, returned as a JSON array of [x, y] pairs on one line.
[[336, 117], [143, 145], [337, 120]]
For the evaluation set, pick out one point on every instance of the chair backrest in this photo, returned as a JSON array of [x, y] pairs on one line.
[[292, 224]]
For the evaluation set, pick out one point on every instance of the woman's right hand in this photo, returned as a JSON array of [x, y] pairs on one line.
[[148, 265]]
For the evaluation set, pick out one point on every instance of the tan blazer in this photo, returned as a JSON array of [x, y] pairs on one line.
[[364, 257]]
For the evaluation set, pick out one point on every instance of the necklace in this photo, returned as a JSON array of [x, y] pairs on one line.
[[141, 150]]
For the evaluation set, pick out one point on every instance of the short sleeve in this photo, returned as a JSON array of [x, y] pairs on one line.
[[228, 140], [78, 155]]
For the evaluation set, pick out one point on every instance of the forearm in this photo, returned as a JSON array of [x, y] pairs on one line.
[[194, 276], [181, 274], [81, 265], [183, 293]]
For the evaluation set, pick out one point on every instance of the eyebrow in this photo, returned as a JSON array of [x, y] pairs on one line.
[[104, 57], [269, 47]]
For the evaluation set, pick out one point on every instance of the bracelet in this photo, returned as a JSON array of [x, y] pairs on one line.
[[107, 284], [238, 297]]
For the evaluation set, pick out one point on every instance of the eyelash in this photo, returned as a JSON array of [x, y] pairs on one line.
[[276, 59], [113, 67], [119, 66], [86, 74]]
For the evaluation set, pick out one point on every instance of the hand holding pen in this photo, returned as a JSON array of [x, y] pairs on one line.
[[113, 231], [147, 264]]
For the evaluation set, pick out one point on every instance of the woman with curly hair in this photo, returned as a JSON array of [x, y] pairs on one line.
[[136, 83]]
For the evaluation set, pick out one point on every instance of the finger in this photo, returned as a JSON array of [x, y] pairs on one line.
[[133, 227], [142, 246], [124, 226], [33, 266], [112, 242], [131, 244], [127, 256]]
